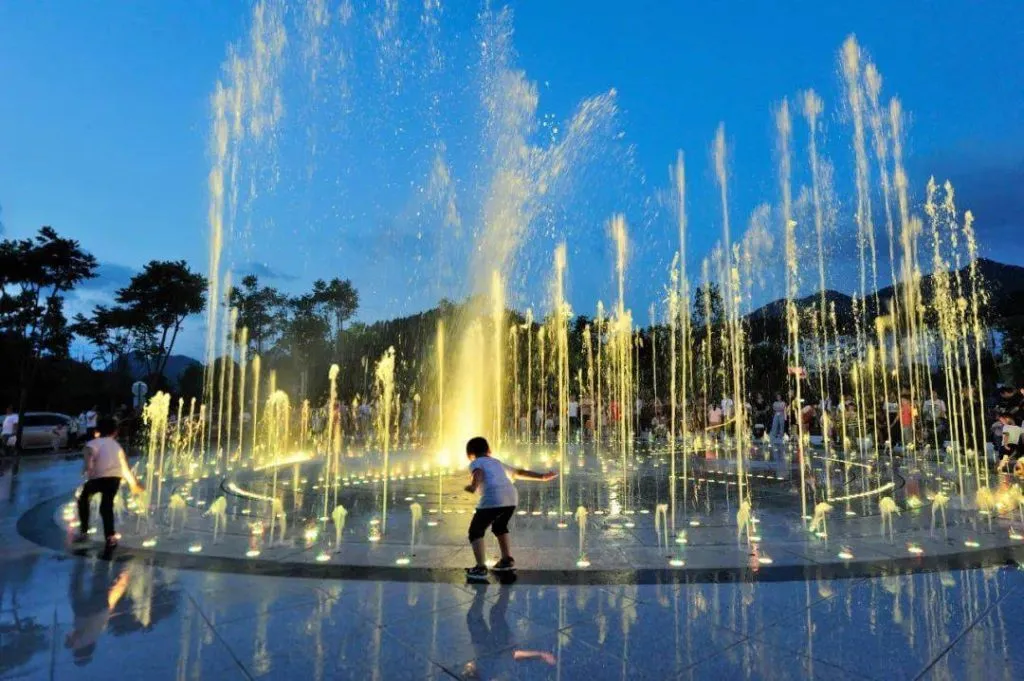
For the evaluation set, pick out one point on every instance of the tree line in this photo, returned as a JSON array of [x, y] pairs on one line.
[[299, 337], [134, 336]]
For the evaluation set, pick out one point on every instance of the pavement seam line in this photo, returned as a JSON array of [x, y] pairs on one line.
[[220, 638]]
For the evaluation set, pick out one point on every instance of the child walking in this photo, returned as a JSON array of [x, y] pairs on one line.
[[498, 501], [105, 465]]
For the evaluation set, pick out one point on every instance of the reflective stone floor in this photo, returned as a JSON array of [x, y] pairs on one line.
[[63, 617]]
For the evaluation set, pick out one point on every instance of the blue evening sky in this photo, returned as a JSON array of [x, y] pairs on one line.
[[105, 120]]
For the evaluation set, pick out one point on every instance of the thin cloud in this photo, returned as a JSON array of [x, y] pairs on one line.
[[109, 277], [263, 271]]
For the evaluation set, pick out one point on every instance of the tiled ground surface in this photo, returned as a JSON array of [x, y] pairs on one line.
[[65, 617]]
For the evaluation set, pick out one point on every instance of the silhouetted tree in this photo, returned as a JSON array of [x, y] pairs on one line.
[[35, 274], [155, 303], [261, 309], [304, 338], [336, 301], [109, 331]]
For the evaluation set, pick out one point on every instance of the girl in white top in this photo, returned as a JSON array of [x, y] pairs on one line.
[[105, 465], [498, 501]]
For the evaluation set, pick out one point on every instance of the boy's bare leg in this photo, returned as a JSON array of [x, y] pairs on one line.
[[504, 545], [478, 551]]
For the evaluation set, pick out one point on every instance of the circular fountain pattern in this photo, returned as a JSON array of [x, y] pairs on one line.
[[878, 519]]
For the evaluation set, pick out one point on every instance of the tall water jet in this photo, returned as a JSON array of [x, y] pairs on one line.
[[215, 217], [202, 438], [230, 385], [176, 438], [497, 352], [222, 364], [879, 136], [706, 368], [785, 128], [561, 320], [652, 315], [305, 426], [542, 380], [588, 359], [731, 299], [243, 349], [333, 453], [155, 416], [621, 342], [682, 312], [528, 330], [850, 58], [912, 303], [255, 406], [904, 311], [524, 177], [276, 439], [978, 301], [385, 382], [439, 348], [600, 330], [673, 316], [517, 407], [247, 104], [944, 304], [812, 108], [194, 429]]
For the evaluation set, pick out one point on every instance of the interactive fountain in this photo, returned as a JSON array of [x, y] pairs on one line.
[[278, 471]]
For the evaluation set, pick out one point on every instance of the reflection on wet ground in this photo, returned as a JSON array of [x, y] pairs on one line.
[[69, 617]]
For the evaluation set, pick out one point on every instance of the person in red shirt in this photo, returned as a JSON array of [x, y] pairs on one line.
[[906, 420]]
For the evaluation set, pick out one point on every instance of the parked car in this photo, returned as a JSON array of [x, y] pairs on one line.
[[45, 430]]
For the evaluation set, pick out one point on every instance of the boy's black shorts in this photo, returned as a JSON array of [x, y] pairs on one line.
[[495, 518]]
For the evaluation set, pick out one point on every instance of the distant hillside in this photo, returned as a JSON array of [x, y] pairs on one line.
[[176, 366], [1004, 284], [777, 308]]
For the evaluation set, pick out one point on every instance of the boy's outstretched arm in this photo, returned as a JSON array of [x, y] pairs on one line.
[[523, 474], [547, 657], [129, 475]]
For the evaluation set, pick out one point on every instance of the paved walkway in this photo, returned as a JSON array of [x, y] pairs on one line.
[[63, 617]]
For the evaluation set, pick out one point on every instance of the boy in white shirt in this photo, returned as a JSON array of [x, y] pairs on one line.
[[497, 505], [105, 465]]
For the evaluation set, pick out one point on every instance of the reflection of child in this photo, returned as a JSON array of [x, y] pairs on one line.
[[92, 609], [493, 635], [105, 465], [498, 500]]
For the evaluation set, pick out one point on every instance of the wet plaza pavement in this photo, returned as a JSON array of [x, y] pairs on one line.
[[138, 617]]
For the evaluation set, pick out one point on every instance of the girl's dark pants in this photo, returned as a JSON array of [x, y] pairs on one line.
[[107, 489]]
